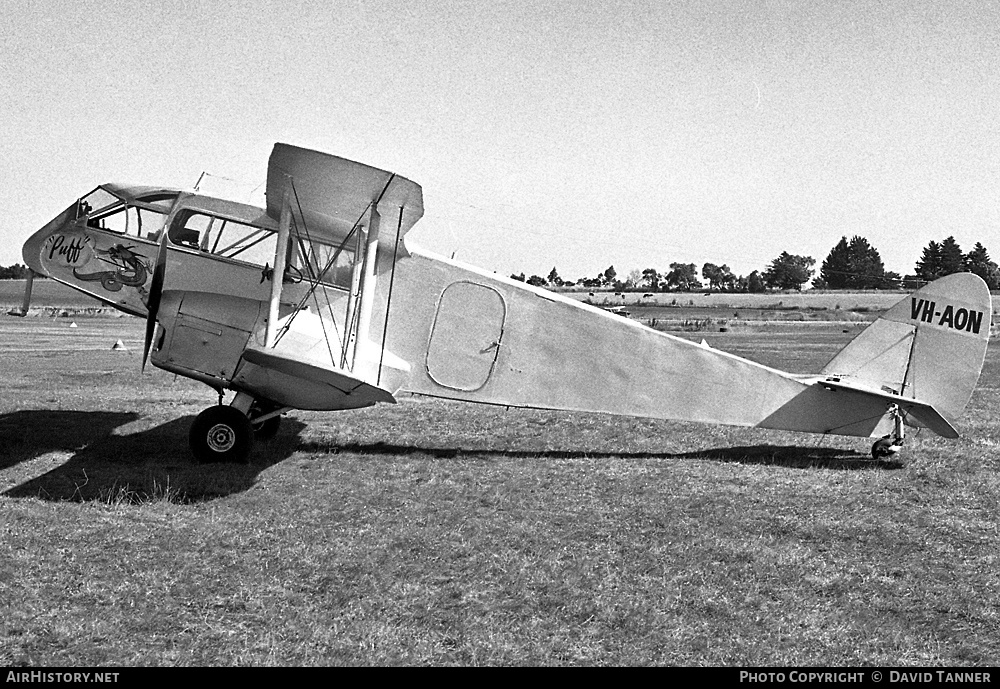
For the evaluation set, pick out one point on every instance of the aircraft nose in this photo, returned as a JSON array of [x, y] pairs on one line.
[[31, 252]]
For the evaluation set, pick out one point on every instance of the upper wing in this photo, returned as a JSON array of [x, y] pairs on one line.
[[331, 194]]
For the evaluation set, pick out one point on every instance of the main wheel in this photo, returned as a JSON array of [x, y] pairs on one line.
[[221, 434]]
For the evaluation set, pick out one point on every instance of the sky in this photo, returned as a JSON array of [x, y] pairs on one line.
[[574, 135]]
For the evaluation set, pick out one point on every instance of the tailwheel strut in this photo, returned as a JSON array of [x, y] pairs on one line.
[[891, 444]]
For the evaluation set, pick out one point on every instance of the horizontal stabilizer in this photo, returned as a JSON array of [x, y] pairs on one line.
[[925, 414], [299, 368]]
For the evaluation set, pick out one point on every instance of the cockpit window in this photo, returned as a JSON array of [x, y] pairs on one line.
[[96, 202], [223, 237], [105, 211], [121, 218]]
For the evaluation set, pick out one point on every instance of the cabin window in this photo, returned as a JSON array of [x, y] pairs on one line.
[[223, 237], [151, 215]]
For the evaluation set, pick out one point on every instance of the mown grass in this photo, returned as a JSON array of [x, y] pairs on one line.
[[438, 533]]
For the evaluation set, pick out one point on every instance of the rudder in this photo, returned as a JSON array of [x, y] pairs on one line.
[[930, 346]]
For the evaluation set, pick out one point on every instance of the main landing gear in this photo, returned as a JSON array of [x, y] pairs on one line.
[[889, 445], [227, 434]]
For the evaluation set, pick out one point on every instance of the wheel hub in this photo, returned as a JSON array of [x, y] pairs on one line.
[[221, 437]]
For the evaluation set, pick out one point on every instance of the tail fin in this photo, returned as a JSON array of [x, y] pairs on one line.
[[930, 346]]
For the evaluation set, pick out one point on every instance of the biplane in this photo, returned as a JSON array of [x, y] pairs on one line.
[[319, 301]]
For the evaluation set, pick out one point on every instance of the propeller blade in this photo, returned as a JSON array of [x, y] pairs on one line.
[[155, 293]]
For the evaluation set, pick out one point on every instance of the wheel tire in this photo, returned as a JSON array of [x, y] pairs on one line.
[[221, 434], [267, 429], [881, 448]]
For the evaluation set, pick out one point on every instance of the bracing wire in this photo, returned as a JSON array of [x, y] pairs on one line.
[[315, 278]]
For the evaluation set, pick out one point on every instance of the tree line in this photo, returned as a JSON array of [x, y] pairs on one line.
[[851, 264], [14, 272]]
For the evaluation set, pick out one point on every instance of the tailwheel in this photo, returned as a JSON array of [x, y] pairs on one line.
[[221, 434], [886, 446]]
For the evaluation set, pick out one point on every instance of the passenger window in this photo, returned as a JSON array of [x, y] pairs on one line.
[[148, 223]]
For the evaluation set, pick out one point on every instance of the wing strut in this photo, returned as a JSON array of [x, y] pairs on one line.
[[361, 300], [367, 286], [27, 294], [388, 299], [277, 279]]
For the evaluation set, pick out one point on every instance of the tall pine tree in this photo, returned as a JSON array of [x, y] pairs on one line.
[[929, 266], [837, 266], [866, 265], [978, 261], [952, 258], [856, 265]]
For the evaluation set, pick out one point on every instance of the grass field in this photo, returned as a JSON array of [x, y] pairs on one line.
[[438, 533]]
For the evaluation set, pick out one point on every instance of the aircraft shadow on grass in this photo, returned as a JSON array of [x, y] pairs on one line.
[[794, 457], [144, 465], [130, 467], [791, 456]]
